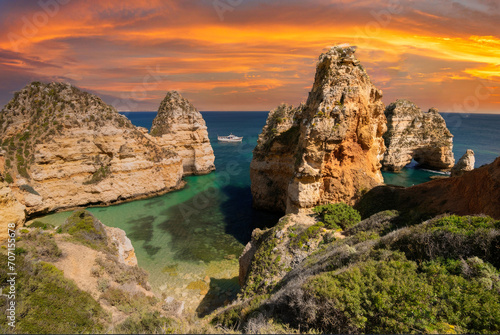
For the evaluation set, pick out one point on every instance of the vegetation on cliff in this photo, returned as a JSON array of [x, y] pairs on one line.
[[381, 275]]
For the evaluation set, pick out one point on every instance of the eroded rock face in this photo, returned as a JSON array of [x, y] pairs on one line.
[[67, 148], [464, 164], [125, 249], [474, 192], [325, 151], [11, 211], [412, 134], [180, 126]]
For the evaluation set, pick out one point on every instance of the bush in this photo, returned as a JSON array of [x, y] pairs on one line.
[[102, 173], [86, 229], [40, 245], [452, 237], [147, 323], [42, 225], [48, 303], [8, 178], [398, 296], [338, 215], [310, 233]]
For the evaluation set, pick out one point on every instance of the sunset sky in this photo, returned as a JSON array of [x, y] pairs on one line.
[[252, 54]]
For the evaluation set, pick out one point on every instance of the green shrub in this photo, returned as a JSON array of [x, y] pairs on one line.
[[39, 224], [29, 189], [398, 296], [310, 233], [338, 215], [147, 323], [100, 174], [40, 245], [8, 178], [48, 303], [86, 229]]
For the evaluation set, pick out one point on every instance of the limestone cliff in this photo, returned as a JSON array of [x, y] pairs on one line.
[[67, 148], [180, 126], [11, 211], [327, 150], [475, 192], [412, 134], [464, 164]]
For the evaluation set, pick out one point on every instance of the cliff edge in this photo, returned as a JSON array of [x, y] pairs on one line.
[[327, 150], [66, 148], [180, 126]]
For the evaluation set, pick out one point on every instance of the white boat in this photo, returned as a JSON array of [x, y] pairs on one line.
[[230, 138]]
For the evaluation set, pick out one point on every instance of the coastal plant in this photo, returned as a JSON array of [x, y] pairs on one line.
[[337, 216], [48, 303], [86, 229], [366, 298]]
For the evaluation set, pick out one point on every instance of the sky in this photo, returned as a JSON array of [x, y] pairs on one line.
[[249, 55]]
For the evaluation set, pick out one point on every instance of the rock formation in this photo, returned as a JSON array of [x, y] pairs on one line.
[[412, 134], [464, 164], [125, 249], [67, 148], [11, 211], [475, 192], [329, 149], [180, 127]]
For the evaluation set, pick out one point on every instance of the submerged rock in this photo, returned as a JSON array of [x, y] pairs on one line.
[[464, 164], [327, 150], [412, 134], [180, 127]]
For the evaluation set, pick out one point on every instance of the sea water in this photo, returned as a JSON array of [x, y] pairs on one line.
[[189, 240]]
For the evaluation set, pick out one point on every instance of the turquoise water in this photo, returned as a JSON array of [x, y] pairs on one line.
[[185, 236]]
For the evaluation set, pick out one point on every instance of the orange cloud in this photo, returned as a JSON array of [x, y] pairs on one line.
[[262, 49]]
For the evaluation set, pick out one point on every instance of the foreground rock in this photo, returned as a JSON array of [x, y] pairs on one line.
[[475, 192], [412, 134], [464, 164], [67, 148], [329, 149], [180, 127], [11, 211]]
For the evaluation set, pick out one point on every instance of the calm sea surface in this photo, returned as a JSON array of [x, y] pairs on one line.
[[197, 232]]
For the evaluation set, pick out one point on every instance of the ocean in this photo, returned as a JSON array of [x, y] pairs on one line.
[[185, 236]]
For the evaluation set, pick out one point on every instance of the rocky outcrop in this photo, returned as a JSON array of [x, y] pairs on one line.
[[11, 211], [464, 164], [327, 150], [67, 148], [125, 249], [475, 192], [412, 134], [180, 127]]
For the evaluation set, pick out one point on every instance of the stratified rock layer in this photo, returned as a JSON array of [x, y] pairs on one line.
[[180, 127], [329, 149], [414, 134], [464, 164], [11, 211], [475, 192], [67, 148]]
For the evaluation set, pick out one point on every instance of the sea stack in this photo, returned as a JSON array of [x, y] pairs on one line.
[[66, 148], [413, 134], [327, 150], [180, 127], [464, 164]]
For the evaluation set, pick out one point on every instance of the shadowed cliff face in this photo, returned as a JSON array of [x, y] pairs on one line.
[[327, 150], [180, 127], [414, 134], [63, 148], [474, 192]]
